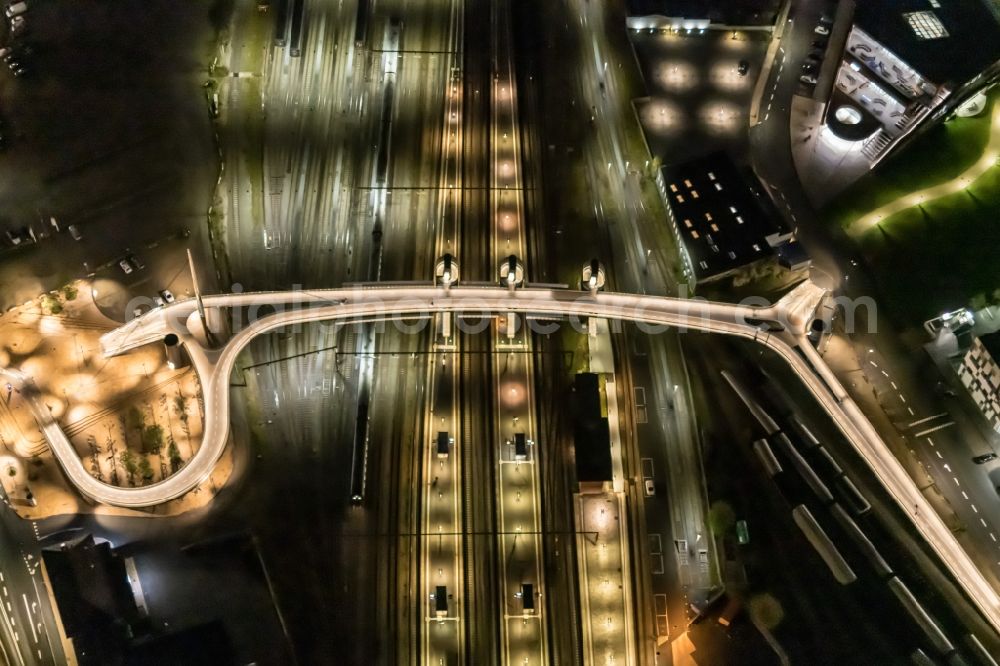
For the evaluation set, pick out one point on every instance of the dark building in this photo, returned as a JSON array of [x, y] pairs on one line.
[[94, 599], [96, 604], [721, 219], [591, 435], [202, 645], [681, 14]]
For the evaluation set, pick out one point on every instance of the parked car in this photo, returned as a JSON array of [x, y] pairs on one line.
[[74, 231], [167, 296], [743, 67], [809, 68], [125, 266], [808, 78], [818, 44], [650, 487], [135, 261], [821, 30], [985, 458]]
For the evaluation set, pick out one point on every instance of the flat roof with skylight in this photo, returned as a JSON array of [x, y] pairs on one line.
[[723, 222], [946, 41]]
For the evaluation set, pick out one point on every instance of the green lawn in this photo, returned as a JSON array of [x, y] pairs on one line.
[[938, 256], [943, 153]]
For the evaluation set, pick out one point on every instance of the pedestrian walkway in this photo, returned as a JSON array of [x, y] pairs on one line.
[[988, 160]]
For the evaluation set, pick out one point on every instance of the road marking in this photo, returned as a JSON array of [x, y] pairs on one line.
[[974, 508], [938, 453], [983, 522], [885, 373], [929, 418], [910, 410], [955, 479], [902, 398], [935, 428], [27, 610], [894, 387], [993, 536], [964, 495]]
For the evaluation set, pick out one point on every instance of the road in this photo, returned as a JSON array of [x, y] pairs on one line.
[[946, 457], [28, 631], [355, 303], [638, 261], [684, 313]]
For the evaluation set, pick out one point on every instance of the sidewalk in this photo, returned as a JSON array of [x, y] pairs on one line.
[[988, 160], [826, 164], [844, 359]]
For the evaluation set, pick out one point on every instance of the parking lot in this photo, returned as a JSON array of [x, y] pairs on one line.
[[699, 100], [107, 131]]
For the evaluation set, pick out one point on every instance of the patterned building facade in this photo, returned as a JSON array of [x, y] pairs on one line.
[[980, 373]]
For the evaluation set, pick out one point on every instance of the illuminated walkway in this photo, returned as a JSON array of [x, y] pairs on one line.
[[394, 302], [987, 161]]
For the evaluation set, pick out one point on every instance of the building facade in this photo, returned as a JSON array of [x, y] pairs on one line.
[[980, 374], [897, 66]]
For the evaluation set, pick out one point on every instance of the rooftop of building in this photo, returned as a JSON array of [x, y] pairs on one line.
[[944, 40], [730, 12], [991, 341], [723, 217], [591, 436], [93, 596]]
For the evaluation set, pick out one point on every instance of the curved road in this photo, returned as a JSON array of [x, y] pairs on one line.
[[396, 302]]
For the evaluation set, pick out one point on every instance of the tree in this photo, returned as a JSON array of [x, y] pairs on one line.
[[720, 517], [145, 469], [69, 292], [175, 456], [51, 304], [152, 438], [180, 406], [767, 610], [978, 302], [134, 419], [127, 459]]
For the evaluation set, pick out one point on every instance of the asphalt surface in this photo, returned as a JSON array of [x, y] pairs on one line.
[[28, 632], [909, 385]]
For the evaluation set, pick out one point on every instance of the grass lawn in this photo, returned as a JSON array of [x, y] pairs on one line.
[[938, 256], [943, 153]]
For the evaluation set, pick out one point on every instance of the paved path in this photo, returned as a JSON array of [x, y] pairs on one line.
[[988, 160]]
